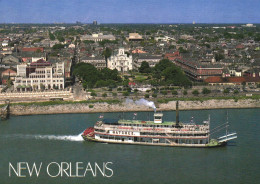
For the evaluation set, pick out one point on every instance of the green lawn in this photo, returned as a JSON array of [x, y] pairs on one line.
[[140, 78]]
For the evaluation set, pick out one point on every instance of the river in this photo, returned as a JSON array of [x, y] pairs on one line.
[[56, 138]]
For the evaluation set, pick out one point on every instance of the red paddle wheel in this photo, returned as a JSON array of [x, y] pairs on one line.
[[89, 132]]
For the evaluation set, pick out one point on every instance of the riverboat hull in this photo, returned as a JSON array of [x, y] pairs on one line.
[[216, 144]]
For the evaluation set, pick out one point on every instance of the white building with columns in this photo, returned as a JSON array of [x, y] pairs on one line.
[[120, 61], [39, 75]]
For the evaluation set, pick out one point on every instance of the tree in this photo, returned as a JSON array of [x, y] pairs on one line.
[[144, 68], [61, 38], [107, 53], [52, 37], [126, 93], [162, 65], [206, 91], [182, 50], [58, 46], [107, 74], [236, 91], [169, 74], [174, 76], [164, 92], [87, 73], [93, 93], [244, 84], [9, 82], [35, 87], [174, 92], [154, 95], [185, 92], [146, 95], [92, 77], [104, 95], [114, 94], [226, 91], [195, 92], [219, 57], [42, 87], [257, 37], [88, 41]]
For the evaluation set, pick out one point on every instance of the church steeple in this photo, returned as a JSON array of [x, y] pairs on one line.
[[121, 51]]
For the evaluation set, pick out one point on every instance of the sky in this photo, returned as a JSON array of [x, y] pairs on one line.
[[130, 11]]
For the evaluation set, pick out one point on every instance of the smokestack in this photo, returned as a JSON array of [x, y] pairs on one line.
[[177, 113]]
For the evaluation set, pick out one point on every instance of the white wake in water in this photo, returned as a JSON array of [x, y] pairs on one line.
[[61, 137], [49, 137]]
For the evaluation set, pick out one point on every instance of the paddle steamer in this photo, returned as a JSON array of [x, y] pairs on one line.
[[157, 132]]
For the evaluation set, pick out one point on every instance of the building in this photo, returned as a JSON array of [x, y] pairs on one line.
[[95, 22], [8, 74], [134, 37], [98, 61], [30, 57], [172, 56], [249, 25], [39, 75], [5, 43], [164, 39], [138, 51], [10, 60], [152, 60], [197, 70], [235, 72], [97, 37], [32, 49], [67, 68], [120, 61], [232, 81], [252, 72]]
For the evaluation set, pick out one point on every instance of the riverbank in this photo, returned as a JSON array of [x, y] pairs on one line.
[[117, 106]]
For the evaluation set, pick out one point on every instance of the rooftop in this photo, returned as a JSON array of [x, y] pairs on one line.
[[197, 64]]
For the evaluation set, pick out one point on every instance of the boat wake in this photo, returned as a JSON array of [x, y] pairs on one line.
[[60, 137], [49, 137]]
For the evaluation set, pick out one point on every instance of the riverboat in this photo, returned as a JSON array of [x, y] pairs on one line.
[[157, 132]]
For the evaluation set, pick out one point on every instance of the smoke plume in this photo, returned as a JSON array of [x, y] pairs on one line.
[[142, 102]]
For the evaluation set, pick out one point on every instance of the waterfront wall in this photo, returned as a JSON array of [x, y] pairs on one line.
[[124, 107], [43, 94]]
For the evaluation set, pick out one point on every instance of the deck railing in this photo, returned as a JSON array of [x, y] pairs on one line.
[[164, 130]]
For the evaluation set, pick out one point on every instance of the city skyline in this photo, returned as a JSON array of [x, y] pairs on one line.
[[134, 11]]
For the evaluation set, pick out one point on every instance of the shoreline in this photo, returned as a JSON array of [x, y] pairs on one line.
[[101, 107]]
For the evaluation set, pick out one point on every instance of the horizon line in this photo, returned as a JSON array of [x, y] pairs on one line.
[[127, 23]]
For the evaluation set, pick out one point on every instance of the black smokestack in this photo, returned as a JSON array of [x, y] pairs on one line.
[[177, 113]]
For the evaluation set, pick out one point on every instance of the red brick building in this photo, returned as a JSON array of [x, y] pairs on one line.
[[199, 71], [8, 74], [32, 49], [232, 80], [172, 56]]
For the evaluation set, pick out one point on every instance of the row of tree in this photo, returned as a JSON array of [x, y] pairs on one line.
[[91, 77], [166, 73], [58, 36]]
